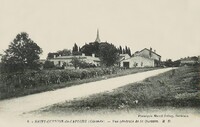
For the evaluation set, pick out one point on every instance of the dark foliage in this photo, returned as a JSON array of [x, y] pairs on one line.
[[91, 48], [22, 53], [48, 64], [76, 50], [108, 54]]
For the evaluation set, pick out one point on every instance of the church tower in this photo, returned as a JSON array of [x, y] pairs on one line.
[[98, 39]]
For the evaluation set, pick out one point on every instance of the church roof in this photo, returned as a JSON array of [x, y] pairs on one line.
[[98, 38]]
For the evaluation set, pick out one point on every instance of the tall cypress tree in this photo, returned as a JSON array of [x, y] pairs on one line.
[[120, 49], [79, 49], [75, 49], [129, 51], [123, 51], [126, 50]]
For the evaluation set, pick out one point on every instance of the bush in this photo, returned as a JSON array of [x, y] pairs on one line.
[[48, 64], [32, 78], [65, 76]]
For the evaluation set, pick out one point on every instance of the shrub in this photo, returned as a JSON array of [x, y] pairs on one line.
[[48, 64], [32, 78], [65, 76]]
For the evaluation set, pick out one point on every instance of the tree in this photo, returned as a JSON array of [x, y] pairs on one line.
[[108, 54], [129, 52], [64, 52], [168, 63], [90, 48], [64, 65], [22, 53], [120, 49], [51, 55], [48, 64], [75, 61], [177, 63], [126, 50], [79, 49], [76, 50], [123, 51]]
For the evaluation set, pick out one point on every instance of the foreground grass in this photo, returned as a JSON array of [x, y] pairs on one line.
[[177, 88], [7, 92]]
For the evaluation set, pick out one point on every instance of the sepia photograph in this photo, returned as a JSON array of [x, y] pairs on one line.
[[102, 63]]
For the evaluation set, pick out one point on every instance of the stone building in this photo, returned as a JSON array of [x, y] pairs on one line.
[[143, 58], [60, 60]]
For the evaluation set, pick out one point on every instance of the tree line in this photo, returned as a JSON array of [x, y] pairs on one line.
[[88, 49], [24, 54], [125, 50]]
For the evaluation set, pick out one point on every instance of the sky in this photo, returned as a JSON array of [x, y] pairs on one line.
[[171, 27]]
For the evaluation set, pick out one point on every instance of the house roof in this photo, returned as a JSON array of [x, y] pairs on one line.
[[149, 51], [137, 56], [145, 57], [122, 57], [79, 56]]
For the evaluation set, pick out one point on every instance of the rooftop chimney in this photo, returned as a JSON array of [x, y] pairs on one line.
[[150, 53]]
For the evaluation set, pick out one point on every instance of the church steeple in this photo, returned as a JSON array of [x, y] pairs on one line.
[[98, 39]]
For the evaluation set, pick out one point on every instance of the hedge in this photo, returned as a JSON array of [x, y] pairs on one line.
[[47, 77]]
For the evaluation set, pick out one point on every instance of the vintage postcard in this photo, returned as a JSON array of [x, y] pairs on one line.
[[78, 63]]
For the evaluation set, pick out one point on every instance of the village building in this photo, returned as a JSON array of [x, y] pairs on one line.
[[121, 58], [143, 58], [124, 56], [60, 60], [189, 61], [92, 60]]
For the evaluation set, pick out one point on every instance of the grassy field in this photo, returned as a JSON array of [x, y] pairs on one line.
[[178, 88], [10, 91]]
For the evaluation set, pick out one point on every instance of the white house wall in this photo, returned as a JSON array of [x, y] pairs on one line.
[[92, 60], [56, 61], [87, 59], [138, 62]]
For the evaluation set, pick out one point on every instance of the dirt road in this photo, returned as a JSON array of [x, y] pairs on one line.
[[17, 106]]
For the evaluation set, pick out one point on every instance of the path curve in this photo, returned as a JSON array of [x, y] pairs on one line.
[[20, 105]]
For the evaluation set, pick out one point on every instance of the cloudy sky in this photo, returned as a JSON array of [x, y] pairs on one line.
[[171, 27]]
